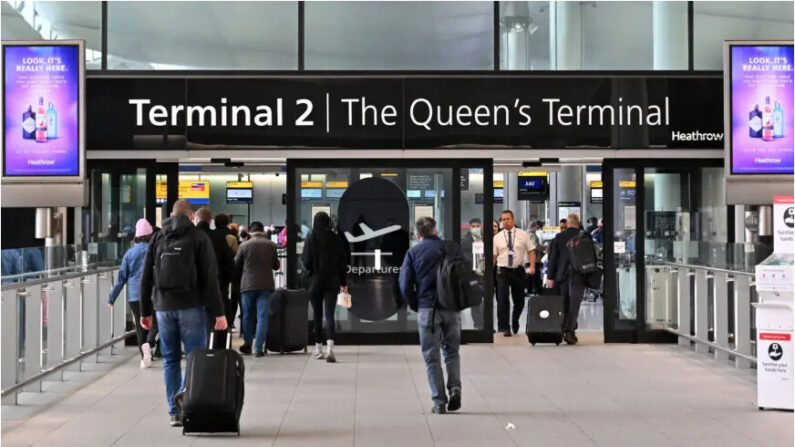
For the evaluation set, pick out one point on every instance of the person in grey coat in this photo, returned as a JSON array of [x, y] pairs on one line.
[[255, 261]]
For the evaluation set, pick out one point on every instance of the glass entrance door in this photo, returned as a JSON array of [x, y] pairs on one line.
[[373, 206], [120, 194], [662, 216]]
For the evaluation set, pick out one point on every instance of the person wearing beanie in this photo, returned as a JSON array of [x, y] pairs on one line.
[[130, 272]]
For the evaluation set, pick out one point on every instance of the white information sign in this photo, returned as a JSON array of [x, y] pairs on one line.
[[783, 224]]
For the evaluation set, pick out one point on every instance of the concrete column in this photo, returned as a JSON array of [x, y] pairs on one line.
[[566, 31], [569, 186], [669, 31]]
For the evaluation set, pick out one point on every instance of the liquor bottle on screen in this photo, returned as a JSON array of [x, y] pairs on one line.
[[755, 122], [52, 122], [41, 123], [767, 121], [778, 121], [29, 124]]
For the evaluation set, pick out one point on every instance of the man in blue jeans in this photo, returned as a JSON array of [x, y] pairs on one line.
[[437, 327], [180, 266], [255, 262]]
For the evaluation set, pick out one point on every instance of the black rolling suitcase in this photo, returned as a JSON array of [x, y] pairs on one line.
[[212, 399], [287, 321], [545, 319]]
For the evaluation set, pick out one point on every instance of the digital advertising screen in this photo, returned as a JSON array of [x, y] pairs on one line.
[[41, 110], [761, 108]]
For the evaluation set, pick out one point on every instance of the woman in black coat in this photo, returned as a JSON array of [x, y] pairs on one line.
[[326, 264]]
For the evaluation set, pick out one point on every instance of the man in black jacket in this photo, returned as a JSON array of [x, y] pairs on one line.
[[570, 283], [223, 257], [180, 266]]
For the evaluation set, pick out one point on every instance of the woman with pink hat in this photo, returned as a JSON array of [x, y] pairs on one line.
[[130, 272]]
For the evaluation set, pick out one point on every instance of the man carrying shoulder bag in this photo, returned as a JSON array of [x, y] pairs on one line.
[[436, 282], [180, 267]]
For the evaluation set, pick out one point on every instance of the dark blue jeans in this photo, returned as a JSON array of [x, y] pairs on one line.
[[447, 335], [188, 327], [255, 308]]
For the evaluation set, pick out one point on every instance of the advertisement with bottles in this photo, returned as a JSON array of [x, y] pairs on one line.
[[762, 122], [41, 110]]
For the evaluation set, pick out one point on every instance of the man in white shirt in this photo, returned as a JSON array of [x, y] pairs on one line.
[[513, 249]]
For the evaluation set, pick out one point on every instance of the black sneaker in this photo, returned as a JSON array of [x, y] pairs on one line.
[[438, 409], [569, 338], [245, 349], [175, 421], [259, 354], [455, 400], [515, 327], [507, 333]]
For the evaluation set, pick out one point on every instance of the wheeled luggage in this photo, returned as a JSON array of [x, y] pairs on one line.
[[545, 319], [287, 321], [212, 399]]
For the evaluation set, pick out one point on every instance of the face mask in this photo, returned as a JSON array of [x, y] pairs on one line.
[[475, 232]]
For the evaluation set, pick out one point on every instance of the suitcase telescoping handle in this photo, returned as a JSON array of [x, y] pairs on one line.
[[228, 339]]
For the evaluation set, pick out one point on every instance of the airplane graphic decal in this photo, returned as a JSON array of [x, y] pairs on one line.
[[369, 233]]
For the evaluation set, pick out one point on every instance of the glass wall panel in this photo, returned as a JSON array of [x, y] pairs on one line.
[[27, 20], [524, 36], [625, 218], [266, 197], [373, 211], [202, 35], [473, 232], [615, 36], [399, 35], [714, 22]]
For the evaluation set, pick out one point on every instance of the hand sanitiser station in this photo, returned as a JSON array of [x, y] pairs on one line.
[[774, 313]]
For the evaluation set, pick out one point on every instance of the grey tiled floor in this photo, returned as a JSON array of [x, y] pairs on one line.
[[586, 395]]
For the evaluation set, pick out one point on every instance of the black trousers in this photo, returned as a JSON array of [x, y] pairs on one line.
[[534, 285], [509, 281], [323, 302], [572, 290], [143, 335], [232, 305]]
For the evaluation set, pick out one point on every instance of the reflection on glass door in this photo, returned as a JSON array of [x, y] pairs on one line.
[[667, 234], [373, 209], [118, 200], [624, 242]]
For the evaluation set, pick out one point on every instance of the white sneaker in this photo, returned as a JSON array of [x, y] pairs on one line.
[[319, 355], [146, 362]]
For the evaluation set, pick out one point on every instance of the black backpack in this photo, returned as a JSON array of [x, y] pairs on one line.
[[457, 285], [175, 262], [582, 254]]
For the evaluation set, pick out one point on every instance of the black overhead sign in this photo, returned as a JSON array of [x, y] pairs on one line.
[[406, 112]]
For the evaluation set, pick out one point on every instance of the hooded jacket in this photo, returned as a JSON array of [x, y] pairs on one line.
[[205, 292]]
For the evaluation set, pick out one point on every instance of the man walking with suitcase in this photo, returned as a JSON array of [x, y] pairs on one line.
[[570, 283], [512, 249], [256, 261], [224, 258], [437, 327], [180, 266]]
